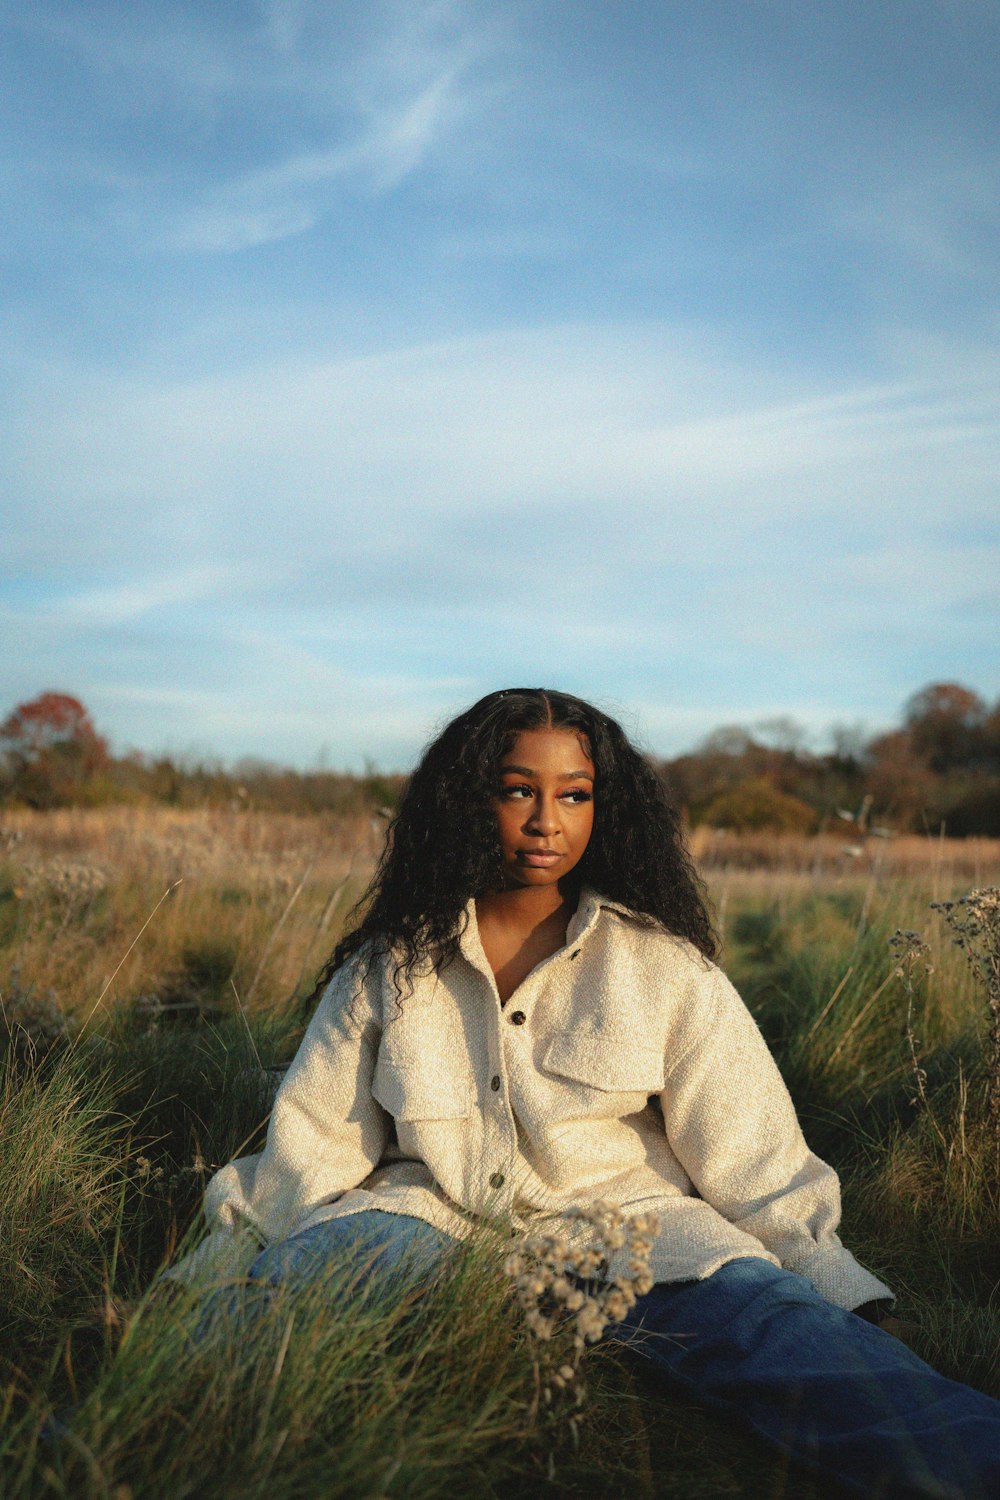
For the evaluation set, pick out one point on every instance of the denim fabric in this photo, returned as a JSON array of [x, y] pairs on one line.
[[853, 1403], [386, 1246], [380, 1251], [758, 1345]]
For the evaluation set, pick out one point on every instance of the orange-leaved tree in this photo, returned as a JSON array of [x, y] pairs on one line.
[[49, 749]]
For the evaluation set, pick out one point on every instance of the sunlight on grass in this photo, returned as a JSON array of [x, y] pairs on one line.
[[107, 1134]]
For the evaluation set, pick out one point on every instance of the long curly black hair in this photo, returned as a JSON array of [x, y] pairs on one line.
[[442, 845]]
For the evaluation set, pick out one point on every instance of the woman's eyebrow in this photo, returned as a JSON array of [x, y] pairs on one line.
[[564, 776]]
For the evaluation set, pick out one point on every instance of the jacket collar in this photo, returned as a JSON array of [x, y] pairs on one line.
[[588, 913], [581, 924]]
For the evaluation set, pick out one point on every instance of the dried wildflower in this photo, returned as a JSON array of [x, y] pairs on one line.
[[912, 960], [555, 1281], [974, 921], [910, 952], [72, 883]]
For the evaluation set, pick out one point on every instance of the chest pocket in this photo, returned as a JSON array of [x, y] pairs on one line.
[[611, 1066], [422, 1071]]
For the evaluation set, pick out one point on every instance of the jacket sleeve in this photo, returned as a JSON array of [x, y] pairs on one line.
[[326, 1134], [732, 1125]]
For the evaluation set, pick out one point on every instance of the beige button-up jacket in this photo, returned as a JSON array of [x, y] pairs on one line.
[[625, 1067]]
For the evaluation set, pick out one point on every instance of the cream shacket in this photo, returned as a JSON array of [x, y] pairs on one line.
[[625, 1067]]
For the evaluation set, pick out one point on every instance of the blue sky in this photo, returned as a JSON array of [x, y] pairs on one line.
[[361, 358]]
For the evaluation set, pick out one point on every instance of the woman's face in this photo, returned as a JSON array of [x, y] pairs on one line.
[[544, 805]]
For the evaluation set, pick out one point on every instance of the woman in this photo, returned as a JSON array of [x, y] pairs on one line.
[[528, 1019]]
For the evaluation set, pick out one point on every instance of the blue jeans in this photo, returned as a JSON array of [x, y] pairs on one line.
[[851, 1402], [754, 1343], [383, 1246], [376, 1251]]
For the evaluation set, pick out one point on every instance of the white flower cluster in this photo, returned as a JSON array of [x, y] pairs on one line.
[[547, 1272], [71, 881]]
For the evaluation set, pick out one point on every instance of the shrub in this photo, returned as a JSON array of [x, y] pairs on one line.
[[755, 804]]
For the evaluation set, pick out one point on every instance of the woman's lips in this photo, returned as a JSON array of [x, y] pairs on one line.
[[539, 858]]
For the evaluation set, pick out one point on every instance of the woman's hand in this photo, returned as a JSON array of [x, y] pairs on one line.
[[899, 1328], [877, 1312]]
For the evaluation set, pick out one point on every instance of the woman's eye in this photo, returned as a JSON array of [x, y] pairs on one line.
[[511, 792], [578, 795]]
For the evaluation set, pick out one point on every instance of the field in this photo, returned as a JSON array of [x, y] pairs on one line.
[[155, 965]]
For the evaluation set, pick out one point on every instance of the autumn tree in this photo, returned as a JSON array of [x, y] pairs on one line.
[[903, 786], [945, 723], [49, 749]]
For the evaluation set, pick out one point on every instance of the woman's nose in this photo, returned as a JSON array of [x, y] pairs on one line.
[[543, 818]]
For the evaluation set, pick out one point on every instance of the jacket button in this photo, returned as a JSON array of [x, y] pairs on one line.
[[496, 1180], [495, 1082], [518, 1018]]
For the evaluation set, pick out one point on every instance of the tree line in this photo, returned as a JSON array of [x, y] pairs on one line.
[[939, 770], [52, 755]]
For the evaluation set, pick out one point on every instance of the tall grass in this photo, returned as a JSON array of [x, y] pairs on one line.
[[62, 1155], [108, 1130], [256, 903], [892, 1077], [407, 1394]]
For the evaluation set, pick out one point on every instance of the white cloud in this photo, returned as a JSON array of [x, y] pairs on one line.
[[627, 511], [101, 607], [318, 102], [567, 420], [281, 705], [224, 230], [289, 198]]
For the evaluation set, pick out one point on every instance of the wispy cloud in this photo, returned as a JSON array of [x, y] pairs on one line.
[[276, 701], [631, 500], [290, 196], [557, 418], [289, 113], [102, 607], [943, 215]]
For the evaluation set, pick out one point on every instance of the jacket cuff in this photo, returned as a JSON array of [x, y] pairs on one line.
[[874, 1311], [839, 1278]]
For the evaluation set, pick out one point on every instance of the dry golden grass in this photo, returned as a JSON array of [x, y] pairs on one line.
[[828, 899], [973, 861], [256, 902], [261, 901]]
